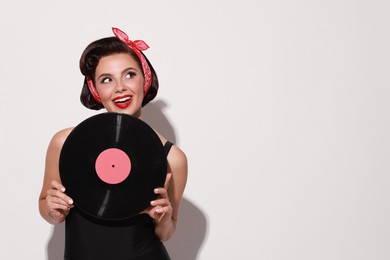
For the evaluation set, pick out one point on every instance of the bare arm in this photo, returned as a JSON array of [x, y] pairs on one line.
[[54, 204], [165, 209]]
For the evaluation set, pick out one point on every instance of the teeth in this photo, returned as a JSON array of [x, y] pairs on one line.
[[122, 100]]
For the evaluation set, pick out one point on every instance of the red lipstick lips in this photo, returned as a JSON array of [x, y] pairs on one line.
[[123, 101]]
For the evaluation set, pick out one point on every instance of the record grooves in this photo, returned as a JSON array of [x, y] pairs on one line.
[[110, 163]]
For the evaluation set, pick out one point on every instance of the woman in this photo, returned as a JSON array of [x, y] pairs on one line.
[[119, 78]]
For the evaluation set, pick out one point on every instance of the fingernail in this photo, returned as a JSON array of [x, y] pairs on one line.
[[155, 190], [153, 202], [71, 201], [62, 189]]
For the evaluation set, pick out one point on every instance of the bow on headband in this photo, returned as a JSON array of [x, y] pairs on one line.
[[137, 46]]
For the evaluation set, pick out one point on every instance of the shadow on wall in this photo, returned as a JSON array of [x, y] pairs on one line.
[[190, 233], [56, 244], [192, 225], [153, 114]]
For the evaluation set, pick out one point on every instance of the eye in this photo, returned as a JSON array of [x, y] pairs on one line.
[[105, 80], [130, 74]]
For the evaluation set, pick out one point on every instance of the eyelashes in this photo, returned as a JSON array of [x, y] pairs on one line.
[[105, 80], [131, 74], [128, 75]]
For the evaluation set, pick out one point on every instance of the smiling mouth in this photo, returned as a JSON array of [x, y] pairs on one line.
[[122, 100]]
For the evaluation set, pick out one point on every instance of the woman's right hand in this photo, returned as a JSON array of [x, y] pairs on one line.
[[58, 203]]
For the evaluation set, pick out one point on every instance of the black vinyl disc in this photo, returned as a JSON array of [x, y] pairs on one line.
[[110, 164]]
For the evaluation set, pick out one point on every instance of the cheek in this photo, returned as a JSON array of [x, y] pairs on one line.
[[104, 92], [141, 86], [137, 87]]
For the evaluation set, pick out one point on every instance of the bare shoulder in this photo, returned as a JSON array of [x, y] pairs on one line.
[[59, 138], [55, 145], [52, 159], [177, 158]]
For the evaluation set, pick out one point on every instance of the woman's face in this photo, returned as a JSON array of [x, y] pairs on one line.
[[119, 81]]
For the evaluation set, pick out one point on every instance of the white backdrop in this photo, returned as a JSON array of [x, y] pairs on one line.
[[282, 108]]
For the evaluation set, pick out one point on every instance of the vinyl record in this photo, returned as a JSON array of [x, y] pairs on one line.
[[110, 164]]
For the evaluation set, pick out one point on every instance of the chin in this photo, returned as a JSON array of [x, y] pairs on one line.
[[130, 110]]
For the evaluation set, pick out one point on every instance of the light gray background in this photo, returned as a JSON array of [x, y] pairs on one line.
[[281, 106]]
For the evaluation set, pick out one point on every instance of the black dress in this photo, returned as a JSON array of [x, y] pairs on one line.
[[135, 239]]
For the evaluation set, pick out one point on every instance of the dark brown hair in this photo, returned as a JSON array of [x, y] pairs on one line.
[[90, 59]]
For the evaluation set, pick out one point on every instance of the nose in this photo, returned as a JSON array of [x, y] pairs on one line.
[[120, 87]]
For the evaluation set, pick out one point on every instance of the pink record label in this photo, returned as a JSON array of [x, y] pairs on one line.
[[113, 166]]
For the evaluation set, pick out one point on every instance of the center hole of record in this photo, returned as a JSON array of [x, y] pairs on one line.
[[113, 166]]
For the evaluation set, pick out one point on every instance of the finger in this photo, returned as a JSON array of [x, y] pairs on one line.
[[162, 192], [56, 185], [58, 200], [160, 202], [57, 194], [165, 209], [161, 218], [55, 206]]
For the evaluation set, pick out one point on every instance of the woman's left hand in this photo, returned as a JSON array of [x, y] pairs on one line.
[[161, 209]]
